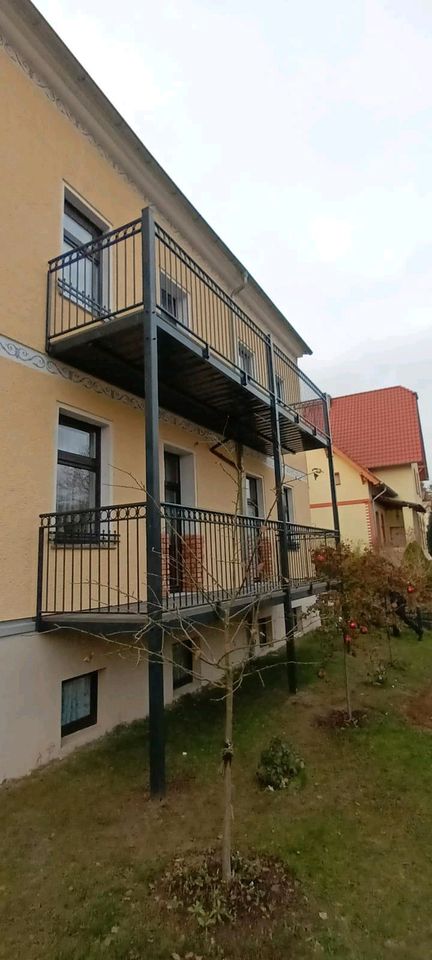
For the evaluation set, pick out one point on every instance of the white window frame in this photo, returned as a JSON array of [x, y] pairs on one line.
[[289, 502], [187, 473], [102, 224], [280, 388], [251, 356], [260, 493], [268, 621], [173, 289], [106, 486]]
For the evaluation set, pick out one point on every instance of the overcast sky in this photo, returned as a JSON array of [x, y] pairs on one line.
[[302, 132]]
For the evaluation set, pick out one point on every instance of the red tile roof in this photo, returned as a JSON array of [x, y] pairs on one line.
[[379, 428]]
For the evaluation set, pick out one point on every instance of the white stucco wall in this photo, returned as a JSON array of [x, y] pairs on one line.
[[33, 666]]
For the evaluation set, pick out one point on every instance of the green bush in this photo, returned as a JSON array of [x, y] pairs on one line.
[[279, 765]]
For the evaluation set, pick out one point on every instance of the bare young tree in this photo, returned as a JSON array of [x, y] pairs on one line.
[[234, 591]]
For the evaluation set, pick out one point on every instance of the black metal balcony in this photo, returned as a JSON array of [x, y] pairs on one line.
[[213, 358], [92, 563]]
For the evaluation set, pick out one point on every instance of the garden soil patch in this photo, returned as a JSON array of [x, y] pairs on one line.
[[260, 887], [338, 719]]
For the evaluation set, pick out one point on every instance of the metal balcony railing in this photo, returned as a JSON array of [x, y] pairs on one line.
[[94, 561], [103, 281]]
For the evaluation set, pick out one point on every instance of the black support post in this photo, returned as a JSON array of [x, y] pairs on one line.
[[40, 571], [282, 517], [331, 469], [153, 511]]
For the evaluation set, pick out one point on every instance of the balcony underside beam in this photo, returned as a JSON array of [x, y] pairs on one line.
[[199, 387]]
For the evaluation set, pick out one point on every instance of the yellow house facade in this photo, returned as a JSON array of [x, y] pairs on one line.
[[371, 512], [150, 395], [381, 504]]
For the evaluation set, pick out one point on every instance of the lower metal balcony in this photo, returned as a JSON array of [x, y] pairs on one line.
[[92, 564]]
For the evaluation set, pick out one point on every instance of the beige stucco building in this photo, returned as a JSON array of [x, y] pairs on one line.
[[138, 324]]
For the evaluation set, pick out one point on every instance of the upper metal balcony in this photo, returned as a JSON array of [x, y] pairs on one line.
[[215, 363]]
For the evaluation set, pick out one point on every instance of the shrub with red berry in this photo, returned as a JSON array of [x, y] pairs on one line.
[[358, 601]]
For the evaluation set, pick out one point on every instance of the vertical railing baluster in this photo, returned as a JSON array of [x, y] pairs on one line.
[[118, 557]]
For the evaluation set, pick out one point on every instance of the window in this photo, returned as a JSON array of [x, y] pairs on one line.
[[174, 299], [78, 478], [265, 631], [337, 479], [288, 504], [182, 658], [172, 477], [82, 278], [174, 524], [79, 703], [253, 496], [280, 389], [293, 537], [246, 359]]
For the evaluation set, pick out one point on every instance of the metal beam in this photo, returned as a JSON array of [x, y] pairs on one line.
[[282, 517], [153, 522], [333, 490]]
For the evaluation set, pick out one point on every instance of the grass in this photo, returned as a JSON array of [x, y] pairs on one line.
[[81, 842]]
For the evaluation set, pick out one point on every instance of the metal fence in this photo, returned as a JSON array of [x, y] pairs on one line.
[[103, 280], [94, 561], [96, 282]]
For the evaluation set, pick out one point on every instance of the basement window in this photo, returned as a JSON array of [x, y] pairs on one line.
[[265, 631], [182, 658], [79, 703]]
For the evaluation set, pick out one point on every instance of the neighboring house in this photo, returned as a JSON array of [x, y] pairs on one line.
[[367, 514], [126, 359], [379, 463]]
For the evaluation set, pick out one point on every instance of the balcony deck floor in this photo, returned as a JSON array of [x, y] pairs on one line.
[[194, 383], [129, 621]]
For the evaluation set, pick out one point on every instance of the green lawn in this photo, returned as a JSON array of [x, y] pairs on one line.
[[80, 842]]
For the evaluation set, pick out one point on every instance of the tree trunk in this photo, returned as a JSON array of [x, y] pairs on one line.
[[389, 645], [227, 762], [347, 688]]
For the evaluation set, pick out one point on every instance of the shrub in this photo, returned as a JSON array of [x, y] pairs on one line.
[[279, 765]]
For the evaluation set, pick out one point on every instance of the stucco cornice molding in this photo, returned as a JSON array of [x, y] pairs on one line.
[[29, 357], [37, 360]]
